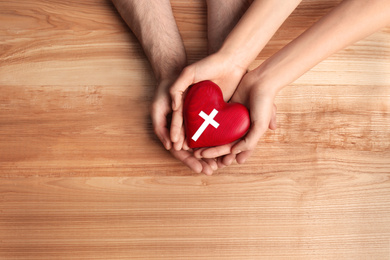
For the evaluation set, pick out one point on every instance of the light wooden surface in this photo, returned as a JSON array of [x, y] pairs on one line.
[[83, 177]]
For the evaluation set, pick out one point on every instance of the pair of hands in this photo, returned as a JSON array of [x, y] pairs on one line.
[[237, 85]]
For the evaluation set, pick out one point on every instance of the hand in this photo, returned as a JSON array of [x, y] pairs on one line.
[[160, 112], [204, 165], [217, 68], [260, 100]]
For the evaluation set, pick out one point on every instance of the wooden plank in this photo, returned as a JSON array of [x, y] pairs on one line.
[[305, 215]]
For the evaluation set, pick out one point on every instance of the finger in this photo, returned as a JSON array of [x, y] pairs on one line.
[[176, 124], [220, 163], [178, 88], [206, 168], [185, 145], [163, 134], [180, 142], [198, 152], [242, 157], [187, 158], [251, 139], [216, 151], [159, 121], [272, 123], [212, 163], [228, 159]]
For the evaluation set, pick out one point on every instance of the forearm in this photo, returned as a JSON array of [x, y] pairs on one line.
[[154, 25], [255, 29], [350, 21], [222, 17]]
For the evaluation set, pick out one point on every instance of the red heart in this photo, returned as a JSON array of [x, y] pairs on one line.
[[208, 120]]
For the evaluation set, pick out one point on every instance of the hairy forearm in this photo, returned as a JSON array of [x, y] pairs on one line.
[[154, 25], [255, 29], [347, 23]]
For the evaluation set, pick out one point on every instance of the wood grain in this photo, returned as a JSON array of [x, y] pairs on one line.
[[83, 176]]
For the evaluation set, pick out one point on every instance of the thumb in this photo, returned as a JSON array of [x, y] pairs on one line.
[[178, 88], [249, 143], [262, 113]]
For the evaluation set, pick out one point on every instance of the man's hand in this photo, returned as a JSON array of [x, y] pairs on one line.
[[160, 112]]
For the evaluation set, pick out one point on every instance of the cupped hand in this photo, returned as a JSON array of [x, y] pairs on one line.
[[160, 112], [216, 68], [260, 101]]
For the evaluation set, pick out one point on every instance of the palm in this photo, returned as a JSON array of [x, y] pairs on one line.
[[260, 101]]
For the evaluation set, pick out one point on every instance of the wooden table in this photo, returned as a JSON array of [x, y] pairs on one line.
[[83, 177]]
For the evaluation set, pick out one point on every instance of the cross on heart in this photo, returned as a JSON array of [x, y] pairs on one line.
[[209, 120]]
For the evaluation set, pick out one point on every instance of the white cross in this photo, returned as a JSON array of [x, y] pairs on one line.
[[208, 120]]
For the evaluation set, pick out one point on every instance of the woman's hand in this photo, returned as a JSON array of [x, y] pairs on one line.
[[260, 101]]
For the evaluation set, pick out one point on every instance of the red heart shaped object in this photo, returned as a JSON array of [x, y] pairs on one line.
[[208, 120]]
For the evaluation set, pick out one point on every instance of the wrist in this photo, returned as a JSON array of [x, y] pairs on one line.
[[234, 55], [229, 60], [267, 81], [169, 72]]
